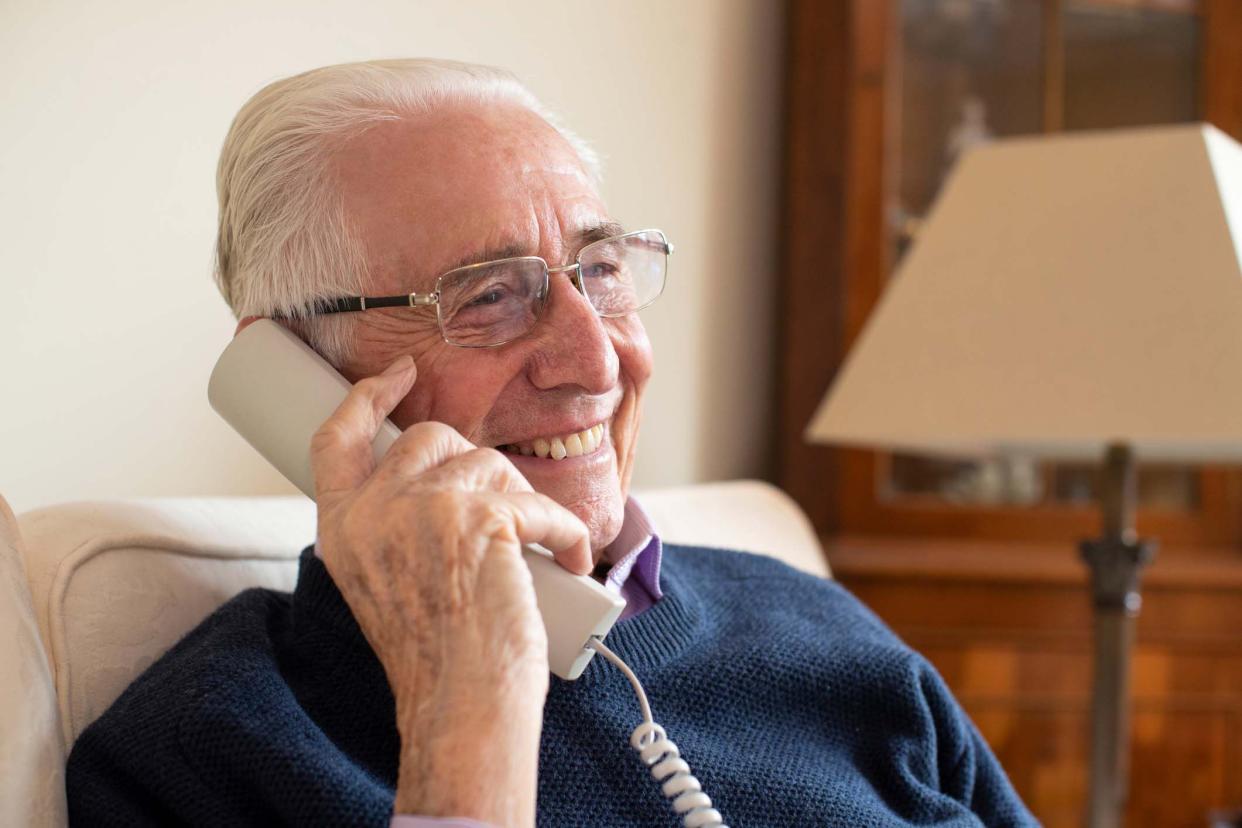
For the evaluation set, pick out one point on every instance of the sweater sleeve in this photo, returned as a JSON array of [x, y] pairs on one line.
[[967, 770], [407, 821], [105, 788]]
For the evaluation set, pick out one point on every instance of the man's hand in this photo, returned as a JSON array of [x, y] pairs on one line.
[[426, 550]]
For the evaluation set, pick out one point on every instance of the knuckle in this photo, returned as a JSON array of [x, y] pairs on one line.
[[429, 436], [330, 435], [423, 448], [495, 463], [447, 510], [497, 517], [367, 387], [488, 458], [433, 430], [443, 503], [408, 449]]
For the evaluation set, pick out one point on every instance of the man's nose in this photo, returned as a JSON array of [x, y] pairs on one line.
[[573, 345]]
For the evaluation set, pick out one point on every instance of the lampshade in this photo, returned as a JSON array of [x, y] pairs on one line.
[[1065, 292]]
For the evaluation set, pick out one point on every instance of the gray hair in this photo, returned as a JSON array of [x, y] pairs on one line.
[[284, 240]]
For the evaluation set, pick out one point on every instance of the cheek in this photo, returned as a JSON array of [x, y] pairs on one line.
[[432, 362], [414, 408], [634, 357], [441, 394], [629, 339], [436, 397]]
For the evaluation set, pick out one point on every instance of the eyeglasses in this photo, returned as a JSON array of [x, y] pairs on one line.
[[490, 304]]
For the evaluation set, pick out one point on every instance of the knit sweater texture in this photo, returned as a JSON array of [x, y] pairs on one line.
[[793, 704]]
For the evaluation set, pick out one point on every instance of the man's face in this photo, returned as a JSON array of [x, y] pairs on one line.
[[470, 184]]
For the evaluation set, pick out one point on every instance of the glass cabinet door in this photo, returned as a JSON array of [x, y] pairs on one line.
[[967, 71]]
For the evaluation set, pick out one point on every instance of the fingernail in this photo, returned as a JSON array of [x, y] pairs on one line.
[[399, 367]]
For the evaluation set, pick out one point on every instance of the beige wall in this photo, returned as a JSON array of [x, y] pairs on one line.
[[113, 115]]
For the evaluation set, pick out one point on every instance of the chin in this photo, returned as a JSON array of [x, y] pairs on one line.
[[603, 512], [604, 522], [588, 485]]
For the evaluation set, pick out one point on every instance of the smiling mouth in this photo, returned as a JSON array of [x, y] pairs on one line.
[[576, 444]]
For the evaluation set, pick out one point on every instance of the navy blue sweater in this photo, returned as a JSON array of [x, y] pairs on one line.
[[792, 703]]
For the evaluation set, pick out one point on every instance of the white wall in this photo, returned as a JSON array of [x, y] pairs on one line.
[[113, 114]]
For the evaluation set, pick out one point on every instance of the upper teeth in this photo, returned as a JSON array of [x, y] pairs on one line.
[[558, 448]]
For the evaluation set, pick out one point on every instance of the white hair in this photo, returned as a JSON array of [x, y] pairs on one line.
[[284, 240]]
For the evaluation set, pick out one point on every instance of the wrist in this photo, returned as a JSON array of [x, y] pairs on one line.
[[471, 757]]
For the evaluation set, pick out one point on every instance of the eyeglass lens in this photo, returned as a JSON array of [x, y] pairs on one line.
[[495, 303]]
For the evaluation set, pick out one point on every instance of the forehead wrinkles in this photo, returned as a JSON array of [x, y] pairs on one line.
[[564, 215], [508, 190]]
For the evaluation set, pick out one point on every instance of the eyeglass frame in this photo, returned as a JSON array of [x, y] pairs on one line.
[[359, 304]]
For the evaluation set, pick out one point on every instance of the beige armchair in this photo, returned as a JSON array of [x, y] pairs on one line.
[[95, 592]]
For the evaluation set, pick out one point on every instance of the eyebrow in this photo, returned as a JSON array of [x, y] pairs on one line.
[[583, 237], [598, 232]]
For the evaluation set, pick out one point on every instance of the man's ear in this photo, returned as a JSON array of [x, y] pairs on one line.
[[244, 322]]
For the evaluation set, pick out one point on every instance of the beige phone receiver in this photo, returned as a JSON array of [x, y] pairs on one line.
[[276, 392]]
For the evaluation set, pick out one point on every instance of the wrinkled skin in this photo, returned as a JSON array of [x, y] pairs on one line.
[[426, 547], [469, 185]]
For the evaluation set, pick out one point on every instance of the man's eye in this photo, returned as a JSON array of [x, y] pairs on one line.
[[487, 297], [602, 270]]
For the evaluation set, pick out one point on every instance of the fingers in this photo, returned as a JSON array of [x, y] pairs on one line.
[[444, 456], [539, 519], [341, 456], [476, 470], [422, 447]]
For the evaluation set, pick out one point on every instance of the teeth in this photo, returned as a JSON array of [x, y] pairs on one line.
[[558, 448]]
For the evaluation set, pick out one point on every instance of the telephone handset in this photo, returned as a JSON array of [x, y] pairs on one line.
[[276, 392]]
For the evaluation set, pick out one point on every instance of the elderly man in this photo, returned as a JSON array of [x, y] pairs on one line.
[[406, 677]]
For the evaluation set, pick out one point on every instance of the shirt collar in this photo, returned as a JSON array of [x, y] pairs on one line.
[[635, 557]]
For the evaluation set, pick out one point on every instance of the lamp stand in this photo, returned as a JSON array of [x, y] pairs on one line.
[[1116, 559]]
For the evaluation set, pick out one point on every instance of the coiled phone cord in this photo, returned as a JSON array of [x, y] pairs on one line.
[[660, 754]]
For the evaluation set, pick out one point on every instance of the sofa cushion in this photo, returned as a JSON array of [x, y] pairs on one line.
[[115, 584], [32, 768], [746, 515]]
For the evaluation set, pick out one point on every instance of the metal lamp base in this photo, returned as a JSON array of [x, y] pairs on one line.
[[1116, 560]]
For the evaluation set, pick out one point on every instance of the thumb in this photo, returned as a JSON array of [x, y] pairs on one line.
[[341, 456]]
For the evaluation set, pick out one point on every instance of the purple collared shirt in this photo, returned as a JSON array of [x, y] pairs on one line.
[[635, 558], [634, 575]]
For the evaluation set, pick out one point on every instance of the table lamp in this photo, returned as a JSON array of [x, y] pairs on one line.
[[1069, 297]]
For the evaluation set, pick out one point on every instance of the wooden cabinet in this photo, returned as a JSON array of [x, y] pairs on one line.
[[976, 564], [1008, 626]]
